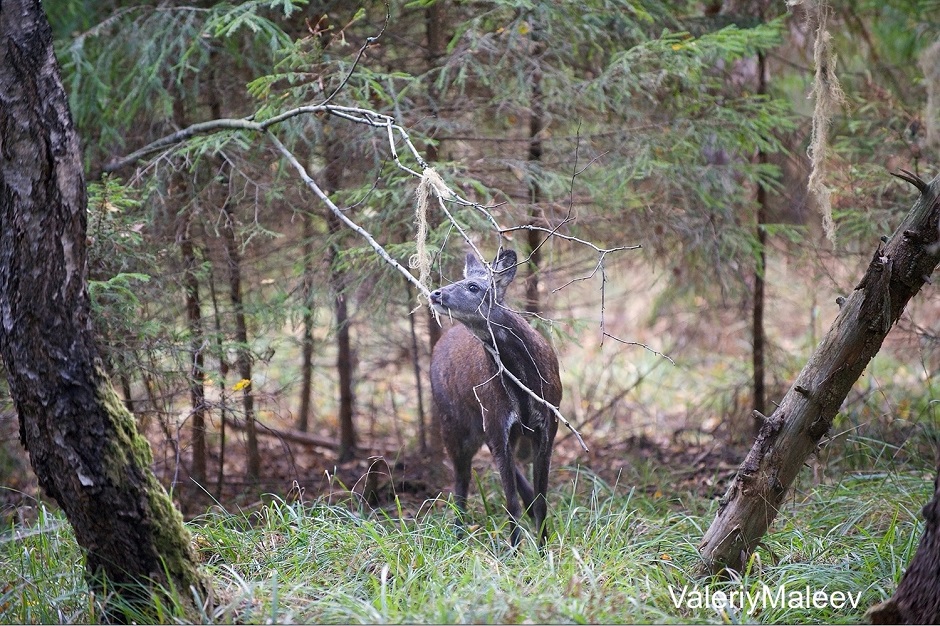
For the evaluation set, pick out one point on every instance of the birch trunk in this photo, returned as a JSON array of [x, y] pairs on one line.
[[82, 441]]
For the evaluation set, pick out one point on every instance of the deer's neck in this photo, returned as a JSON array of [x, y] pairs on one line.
[[508, 334]]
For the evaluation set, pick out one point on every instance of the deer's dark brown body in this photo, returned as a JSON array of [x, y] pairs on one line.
[[475, 404]]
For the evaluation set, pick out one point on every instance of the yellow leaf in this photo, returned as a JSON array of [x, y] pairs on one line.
[[677, 46], [524, 28], [244, 382], [665, 557]]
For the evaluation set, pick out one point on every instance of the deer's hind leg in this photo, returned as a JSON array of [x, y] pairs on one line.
[[541, 463], [504, 460]]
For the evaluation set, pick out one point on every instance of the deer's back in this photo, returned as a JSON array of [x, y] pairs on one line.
[[460, 364]]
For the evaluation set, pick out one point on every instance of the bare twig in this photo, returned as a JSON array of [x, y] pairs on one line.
[[352, 114], [444, 193], [362, 49], [641, 345], [312, 185], [537, 397]]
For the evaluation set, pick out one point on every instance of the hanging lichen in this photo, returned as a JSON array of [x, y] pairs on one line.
[[421, 259], [930, 64], [828, 95]]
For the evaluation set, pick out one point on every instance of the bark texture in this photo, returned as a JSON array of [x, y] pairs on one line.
[[82, 441], [197, 375], [243, 359], [898, 269], [917, 599], [345, 365], [306, 359], [434, 25], [757, 319], [536, 126]]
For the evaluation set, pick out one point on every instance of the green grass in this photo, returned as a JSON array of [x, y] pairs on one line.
[[613, 556]]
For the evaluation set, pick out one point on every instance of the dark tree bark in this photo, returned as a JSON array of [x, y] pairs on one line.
[[917, 599], [897, 271], [344, 360], [196, 378], [82, 441], [416, 365], [757, 319], [536, 125], [243, 352], [306, 358], [197, 390], [434, 30], [435, 439], [223, 373]]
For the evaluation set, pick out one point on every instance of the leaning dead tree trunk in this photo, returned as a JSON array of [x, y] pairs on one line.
[[896, 273]]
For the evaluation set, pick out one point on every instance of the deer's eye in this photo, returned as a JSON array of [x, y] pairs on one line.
[[472, 288]]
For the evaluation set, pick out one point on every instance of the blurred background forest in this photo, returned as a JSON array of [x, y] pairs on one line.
[[262, 345]]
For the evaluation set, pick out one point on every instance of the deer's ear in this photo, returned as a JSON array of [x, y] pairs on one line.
[[505, 268], [473, 267]]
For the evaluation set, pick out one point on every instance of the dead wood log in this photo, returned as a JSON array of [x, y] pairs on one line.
[[308, 439], [898, 269]]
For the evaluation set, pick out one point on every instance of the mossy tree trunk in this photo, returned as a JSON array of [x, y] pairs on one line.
[[82, 441], [897, 271]]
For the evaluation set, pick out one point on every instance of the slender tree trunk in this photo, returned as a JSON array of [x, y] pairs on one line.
[[344, 360], [897, 272], [434, 31], [536, 126], [82, 441], [197, 391], [757, 326], [243, 354], [223, 374], [436, 439], [243, 358], [306, 358], [416, 363]]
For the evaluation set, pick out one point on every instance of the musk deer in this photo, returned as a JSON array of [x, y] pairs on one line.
[[476, 404]]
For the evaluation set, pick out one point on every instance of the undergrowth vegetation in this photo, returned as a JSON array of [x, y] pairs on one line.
[[618, 553]]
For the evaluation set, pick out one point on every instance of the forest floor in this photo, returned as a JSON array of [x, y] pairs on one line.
[[688, 462], [680, 424], [372, 539]]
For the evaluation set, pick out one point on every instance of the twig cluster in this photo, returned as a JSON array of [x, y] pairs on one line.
[[431, 182]]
